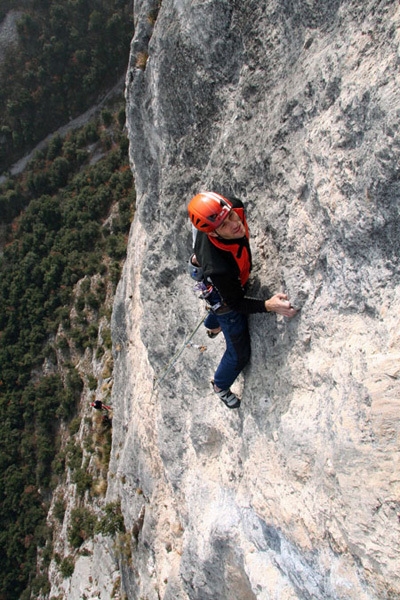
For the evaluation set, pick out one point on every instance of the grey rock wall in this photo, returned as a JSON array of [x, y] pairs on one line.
[[294, 107]]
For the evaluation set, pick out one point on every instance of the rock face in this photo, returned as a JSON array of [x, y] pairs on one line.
[[294, 107]]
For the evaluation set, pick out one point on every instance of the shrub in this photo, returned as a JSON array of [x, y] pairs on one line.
[[74, 455], [81, 527], [112, 521], [59, 510], [74, 426], [92, 382], [83, 481], [67, 567], [92, 301], [106, 117], [40, 586], [106, 335]]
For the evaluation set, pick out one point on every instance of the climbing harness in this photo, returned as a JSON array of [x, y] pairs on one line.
[[187, 342]]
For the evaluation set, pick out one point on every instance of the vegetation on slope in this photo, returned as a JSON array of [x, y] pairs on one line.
[[60, 254], [69, 51], [63, 233]]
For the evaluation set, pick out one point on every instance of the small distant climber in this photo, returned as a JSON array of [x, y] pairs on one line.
[[98, 405], [222, 263]]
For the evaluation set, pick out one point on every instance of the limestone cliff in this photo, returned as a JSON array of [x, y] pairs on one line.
[[294, 107]]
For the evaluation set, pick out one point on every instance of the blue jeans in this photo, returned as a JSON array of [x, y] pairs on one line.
[[235, 328]]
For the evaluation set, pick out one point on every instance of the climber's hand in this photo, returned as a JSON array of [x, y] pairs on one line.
[[280, 305]]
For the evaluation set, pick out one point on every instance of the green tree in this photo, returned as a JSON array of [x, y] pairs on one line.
[[82, 526]]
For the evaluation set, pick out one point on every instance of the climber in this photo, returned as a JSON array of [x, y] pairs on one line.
[[98, 405], [222, 263]]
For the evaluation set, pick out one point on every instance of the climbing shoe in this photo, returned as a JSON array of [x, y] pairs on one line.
[[213, 334], [227, 397]]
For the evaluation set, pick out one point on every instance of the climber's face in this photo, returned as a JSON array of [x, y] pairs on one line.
[[231, 228]]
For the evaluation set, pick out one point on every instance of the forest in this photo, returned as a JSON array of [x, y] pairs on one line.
[[64, 224], [69, 52], [62, 236]]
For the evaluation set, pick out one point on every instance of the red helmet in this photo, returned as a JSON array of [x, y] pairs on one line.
[[207, 210]]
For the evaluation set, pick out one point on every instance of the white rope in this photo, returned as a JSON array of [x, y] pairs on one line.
[[157, 380]]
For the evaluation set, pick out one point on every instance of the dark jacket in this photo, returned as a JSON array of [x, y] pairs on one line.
[[227, 265]]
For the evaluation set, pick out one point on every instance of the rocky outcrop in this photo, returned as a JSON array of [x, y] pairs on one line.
[[294, 107]]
